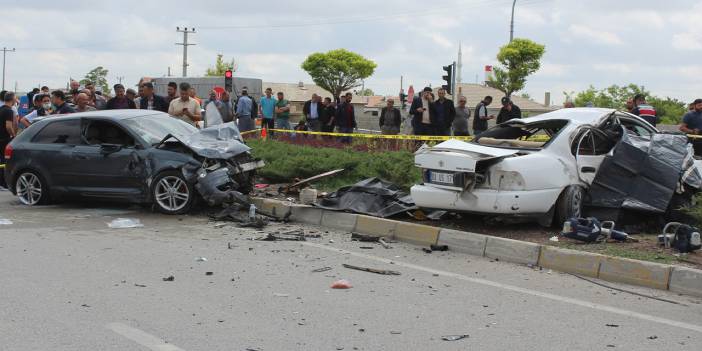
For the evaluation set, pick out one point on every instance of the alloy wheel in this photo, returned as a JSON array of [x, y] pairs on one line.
[[172, 193], [29, 189]]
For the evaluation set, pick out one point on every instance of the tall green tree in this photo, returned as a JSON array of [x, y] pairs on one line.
[[220, 67], [670, 110], [518, 60], [97, 76], [338, 70]]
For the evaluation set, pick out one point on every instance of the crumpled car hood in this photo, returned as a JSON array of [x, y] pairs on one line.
[[222, 141]]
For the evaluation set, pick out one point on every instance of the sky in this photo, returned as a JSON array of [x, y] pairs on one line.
[[596, 42]]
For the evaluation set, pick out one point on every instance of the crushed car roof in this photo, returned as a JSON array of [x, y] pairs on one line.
[[586, 115]]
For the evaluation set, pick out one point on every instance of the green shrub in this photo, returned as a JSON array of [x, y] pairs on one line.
[[285, 162]]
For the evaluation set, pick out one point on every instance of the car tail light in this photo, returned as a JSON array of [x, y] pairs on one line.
[[8, 153]]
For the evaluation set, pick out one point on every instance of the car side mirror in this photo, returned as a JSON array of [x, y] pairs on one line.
[[107, 149]]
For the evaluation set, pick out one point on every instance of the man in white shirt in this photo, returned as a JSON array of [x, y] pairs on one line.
[[185, 108]]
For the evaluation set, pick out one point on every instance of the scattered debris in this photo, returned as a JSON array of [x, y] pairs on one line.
[[123, 223], [454, 337], [590, 230], [439, 247], [280, 295], [257, 222], [437, 215], [201, 259], [169, 278], [373, 197], [395, 332], [627, 291], [309, 180], [308, 196], [209, 273], [85, 305], [140, 285], [261, 186], [426, 250], [341, 284], [371, 270], [653, 337], [554, 238], [229, 246], [384, 243], [293, 235], [323, 269], [683, 238], [366, 247], [4, 221], [612, 325], [364, 238]]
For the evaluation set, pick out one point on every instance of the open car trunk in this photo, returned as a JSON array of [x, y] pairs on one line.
[[446, 165]]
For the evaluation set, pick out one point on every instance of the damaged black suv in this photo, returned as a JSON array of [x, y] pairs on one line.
[[129, 155]]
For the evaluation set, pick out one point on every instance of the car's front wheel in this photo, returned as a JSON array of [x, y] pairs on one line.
[[172, 194], [570, 204], [31, 188]]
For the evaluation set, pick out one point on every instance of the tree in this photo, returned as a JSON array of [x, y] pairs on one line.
[[338, 70], [366, 92], [97, 76], [669, 110], [220, 67], [519, 59]]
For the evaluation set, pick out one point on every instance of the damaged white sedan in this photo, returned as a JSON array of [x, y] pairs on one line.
[[551, 166]]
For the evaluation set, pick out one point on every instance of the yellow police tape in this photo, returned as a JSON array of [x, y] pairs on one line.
[[403, 136]]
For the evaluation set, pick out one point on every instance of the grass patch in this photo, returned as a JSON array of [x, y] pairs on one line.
[[285, 161], [613, 249]]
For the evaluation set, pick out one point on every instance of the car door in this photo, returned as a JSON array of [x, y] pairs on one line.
[[52, 149], [106, 161], [590, 148]]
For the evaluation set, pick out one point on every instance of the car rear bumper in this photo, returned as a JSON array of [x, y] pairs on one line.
[[486, 201]]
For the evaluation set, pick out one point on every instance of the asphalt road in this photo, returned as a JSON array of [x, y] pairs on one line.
[[68, 282]]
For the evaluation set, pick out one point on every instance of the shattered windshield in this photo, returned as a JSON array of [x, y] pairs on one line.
[[518, 134], [154, 128]]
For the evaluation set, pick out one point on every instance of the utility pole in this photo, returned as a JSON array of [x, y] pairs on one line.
[[119, 78], [169, 71], [185, 44], [459, 68], [511, 24], [4, 53]]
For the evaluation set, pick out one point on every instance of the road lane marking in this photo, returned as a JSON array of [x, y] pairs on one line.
[[142, 338], [568, 300]]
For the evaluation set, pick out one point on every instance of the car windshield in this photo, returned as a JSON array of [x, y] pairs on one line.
[[154, 128], [518, 134]]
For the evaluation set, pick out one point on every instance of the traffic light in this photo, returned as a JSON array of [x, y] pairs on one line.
[[448, 78], [228, 85]]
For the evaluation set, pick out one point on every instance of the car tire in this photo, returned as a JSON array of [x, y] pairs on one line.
[[31, 188], [570, 204], [172, 194]]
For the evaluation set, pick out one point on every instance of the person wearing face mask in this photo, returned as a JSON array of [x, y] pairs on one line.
[[43, 108]]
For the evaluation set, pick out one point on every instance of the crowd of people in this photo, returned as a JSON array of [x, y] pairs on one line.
[[428, 115]]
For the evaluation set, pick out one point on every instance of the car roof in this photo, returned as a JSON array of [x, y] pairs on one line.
[[583, 115], [108, 114]]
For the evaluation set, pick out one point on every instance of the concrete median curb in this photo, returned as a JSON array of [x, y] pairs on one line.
[[681, 280]]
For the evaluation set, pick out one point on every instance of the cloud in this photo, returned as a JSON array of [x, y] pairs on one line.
[[614, 67], [687, 41], [598, 36]]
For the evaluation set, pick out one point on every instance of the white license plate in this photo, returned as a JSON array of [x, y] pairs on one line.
[[441, 178]]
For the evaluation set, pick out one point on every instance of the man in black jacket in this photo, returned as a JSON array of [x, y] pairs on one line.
[[326, 116], [345, 119], [312, 111], [445, 113], [424, 112], [151, 101], [509, 111], [390, 119]]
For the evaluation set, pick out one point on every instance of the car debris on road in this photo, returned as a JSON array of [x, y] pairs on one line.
[[371, 270]]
